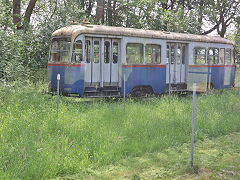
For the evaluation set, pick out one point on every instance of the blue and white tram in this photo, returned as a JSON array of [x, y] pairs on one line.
[[93, 60]]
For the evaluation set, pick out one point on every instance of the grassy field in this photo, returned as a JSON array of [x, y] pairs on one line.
[[217, 158], [89, 135]]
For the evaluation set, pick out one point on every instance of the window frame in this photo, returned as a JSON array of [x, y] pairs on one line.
[[115, 42], [75, 52], [99, 51], [228, 61], [160, 53], [87, 53], [196, 55], [59, 51], [215, 57], [142, 55], [224, 55]]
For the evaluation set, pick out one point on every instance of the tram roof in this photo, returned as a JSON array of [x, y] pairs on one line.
[[75, 30]]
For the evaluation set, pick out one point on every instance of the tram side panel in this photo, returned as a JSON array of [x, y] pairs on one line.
[[218, 75], [144, 75], [72, 78]]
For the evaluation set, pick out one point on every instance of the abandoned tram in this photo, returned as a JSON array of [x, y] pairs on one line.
[[94, 60]]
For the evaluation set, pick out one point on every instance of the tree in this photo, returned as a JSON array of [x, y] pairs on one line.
[[100, 12], [221, 14], [16, 13]]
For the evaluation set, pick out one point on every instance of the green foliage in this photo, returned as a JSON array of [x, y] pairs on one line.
[[36, 144], [22, 51]]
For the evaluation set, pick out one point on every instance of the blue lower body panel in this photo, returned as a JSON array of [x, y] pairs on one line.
[[219, 76], [71, 78], [154, 76]]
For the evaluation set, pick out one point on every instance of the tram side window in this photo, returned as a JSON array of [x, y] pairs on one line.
[[179, 55], [106, 51], [60, 51], [228, 56], [153, 54], [77, 52], [199, 55], [213, 56], [172, 54], [115, 52], [87, 51], [96, 51], [134, 53], [222, 55], [183, 54]]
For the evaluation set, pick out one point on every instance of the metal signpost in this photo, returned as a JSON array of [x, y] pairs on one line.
[[58, 79], [124, 89], [238, 86], [169, 82], [193, 119]]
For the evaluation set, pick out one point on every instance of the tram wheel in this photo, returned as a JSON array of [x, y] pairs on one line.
[[141, 91]]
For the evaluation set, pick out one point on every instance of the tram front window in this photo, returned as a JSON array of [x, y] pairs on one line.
[[60, 49]]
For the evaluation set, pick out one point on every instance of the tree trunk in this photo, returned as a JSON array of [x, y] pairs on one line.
[[109, 13], [99, 11], [16, 12], [29, 10], [89, 8]]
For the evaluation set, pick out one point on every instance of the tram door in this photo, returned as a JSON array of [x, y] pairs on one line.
[[176, 54], [110, 75], [92, 61], [101, 62]]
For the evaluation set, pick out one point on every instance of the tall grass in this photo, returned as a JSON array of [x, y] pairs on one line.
[[35, 143]]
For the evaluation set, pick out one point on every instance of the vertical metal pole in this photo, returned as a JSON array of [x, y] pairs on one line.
[[58, 79], [238, 86], [124, 92], [193, 120], [169, 73], [169, 84]]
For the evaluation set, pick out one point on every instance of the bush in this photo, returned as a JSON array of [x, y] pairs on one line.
[[22, 52]]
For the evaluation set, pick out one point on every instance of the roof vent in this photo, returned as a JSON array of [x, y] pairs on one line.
[[74, 22], [85, 22]]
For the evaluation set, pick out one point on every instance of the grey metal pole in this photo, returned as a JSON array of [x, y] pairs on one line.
[[58, 79], [238, 86], [193, 119], [124, 92], [169, 83]]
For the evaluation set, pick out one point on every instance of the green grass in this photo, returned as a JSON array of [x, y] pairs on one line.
[[237, 76], [217, 158], [88, 135]]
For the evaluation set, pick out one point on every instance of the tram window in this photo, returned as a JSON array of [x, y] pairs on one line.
[[213, 56], [134, 53], [172, 54], [87, 51], [179, 55], [183, 54], [228, 56], [106, 51], [96, 51], [60, 51], [153, 54], [222, 55], [167, 51], [115, 52], [199, 55], [77, 51]]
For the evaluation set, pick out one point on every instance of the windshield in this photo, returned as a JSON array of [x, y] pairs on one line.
[[60, 49]]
